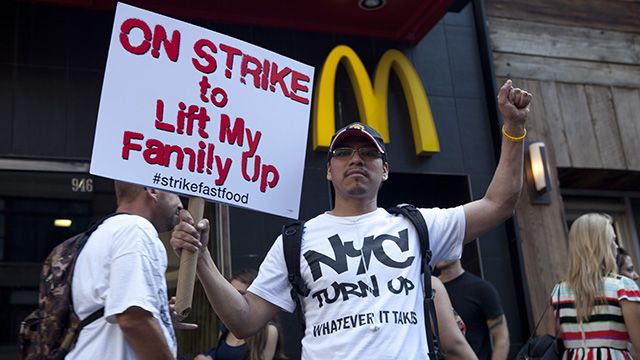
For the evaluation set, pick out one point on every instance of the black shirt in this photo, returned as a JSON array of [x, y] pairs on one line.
[[476, 301], [225, 351]]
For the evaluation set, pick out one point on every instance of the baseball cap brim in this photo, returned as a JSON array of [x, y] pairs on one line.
[[349, 133]]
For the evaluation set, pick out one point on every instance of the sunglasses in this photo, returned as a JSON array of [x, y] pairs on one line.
[[366, 153]]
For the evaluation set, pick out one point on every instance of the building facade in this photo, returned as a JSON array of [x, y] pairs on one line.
[[580, 60], [51, 71]]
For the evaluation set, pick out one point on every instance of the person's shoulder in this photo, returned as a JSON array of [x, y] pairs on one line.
[[472, 278], [613, 279], [272, 329], [126, 220], [118, 224], [130, 228], [443, 216], [474, 281], [135, 222], [618, 280], [272, 333]]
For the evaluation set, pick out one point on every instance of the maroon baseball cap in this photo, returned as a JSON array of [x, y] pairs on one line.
[[360, 130]]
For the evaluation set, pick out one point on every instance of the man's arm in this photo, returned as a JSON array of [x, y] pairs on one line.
[[504, 190], [451, 338], [631, 314], [499, 333], [243, 315], [143, 333], [271, 343]]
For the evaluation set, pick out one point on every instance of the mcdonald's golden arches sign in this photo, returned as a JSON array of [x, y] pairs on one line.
[[372, 99]]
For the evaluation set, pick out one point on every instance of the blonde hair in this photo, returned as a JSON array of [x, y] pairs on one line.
[[590, 259]]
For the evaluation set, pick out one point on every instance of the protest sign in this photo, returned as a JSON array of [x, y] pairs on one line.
[[192, 111]]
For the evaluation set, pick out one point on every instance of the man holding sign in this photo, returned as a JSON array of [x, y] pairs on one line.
[[121, 269], [360, 307]]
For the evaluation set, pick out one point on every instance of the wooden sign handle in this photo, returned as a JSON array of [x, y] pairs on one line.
[[188, 263]]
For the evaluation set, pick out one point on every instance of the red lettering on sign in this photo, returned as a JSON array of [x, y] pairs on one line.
[[277, 77], [266, 67], [231, 53], [173, 149], [254, 70], [223, 170], [125, 30], [127, 145], [210, 149], [160, 115], [264, 180], [171, 47], [204, 87], [253, 141], [245, 165], [219, 97], [180, 118], [296, 77], [194, 113], [154, 153], [201, 156], [210, 64], [228, 135]]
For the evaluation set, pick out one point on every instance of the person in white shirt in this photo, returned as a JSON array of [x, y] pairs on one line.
[[361, 263], [122, 269]]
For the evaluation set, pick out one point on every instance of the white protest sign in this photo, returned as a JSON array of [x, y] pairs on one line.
[[192, 111]]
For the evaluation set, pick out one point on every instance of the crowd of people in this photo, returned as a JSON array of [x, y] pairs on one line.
[[598, 303]]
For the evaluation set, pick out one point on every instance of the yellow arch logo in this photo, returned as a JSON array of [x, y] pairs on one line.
[[372, 100]]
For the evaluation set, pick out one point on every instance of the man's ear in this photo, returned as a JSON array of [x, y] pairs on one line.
[[153, 193], [385, 171], [329, 171]]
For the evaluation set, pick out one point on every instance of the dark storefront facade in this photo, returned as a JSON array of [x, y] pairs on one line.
[[51, 70]]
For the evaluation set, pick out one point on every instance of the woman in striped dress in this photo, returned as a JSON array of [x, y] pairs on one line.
[[599, 310]]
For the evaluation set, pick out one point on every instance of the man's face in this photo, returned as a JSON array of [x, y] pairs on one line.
[[628, 270], [168, 207], [357, 175]]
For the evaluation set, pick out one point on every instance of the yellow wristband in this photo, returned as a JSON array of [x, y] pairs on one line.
[[514, 138]]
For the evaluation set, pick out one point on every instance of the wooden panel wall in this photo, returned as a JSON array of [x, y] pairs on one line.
[[627, 103], [581, 60], [542, 227], [616, 15], [578, 43], [590, 81], [589, 127]]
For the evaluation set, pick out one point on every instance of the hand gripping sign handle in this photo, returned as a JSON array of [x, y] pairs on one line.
[[188, 262]]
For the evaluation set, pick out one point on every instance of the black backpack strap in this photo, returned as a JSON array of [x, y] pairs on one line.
[[416, 218], [91, 318], [291, 244], [413, 214]]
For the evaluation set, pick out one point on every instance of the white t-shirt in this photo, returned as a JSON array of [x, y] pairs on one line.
[[364, 272], [122, 265]]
